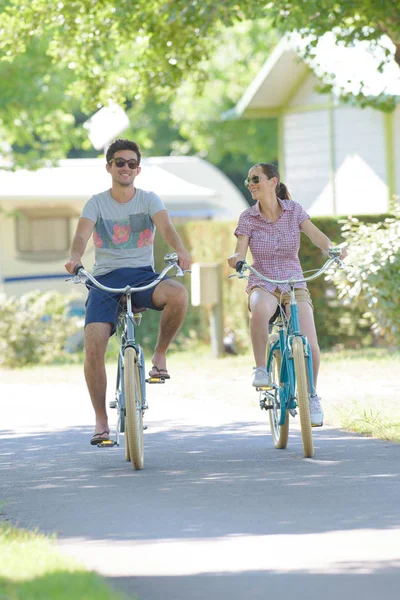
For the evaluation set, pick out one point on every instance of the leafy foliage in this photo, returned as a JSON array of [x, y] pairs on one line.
[[62, 58], [370, 278], [232, 145], [34, 328]]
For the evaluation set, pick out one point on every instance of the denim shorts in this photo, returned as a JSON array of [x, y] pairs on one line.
[[104, 307]]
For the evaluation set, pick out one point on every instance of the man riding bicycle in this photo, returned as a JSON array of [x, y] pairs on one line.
[[123, 221]]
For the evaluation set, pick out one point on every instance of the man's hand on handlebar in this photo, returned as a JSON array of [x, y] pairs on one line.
[[72, 264], [183, 259]]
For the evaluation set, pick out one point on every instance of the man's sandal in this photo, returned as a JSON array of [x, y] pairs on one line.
[[99, 437], [158, 373]]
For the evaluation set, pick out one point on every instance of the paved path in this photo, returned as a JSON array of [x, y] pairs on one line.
[[217, 512]]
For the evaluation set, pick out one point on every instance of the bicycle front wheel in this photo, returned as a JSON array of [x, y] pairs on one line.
[[302, 397], [127, 455], [280, 433], [133, 407]]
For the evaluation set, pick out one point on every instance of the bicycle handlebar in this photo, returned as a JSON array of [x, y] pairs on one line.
[[334, 253], [170, 259]]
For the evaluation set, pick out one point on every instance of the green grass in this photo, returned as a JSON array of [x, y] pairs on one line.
[[32, 569], [371, 422]]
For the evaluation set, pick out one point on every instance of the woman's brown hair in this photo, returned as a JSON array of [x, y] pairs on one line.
[[271, 171]]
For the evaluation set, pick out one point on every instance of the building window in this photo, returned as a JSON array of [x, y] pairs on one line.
[[42, 237]]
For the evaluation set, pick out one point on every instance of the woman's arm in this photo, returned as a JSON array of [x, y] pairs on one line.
[[242, 246], [318, 238]]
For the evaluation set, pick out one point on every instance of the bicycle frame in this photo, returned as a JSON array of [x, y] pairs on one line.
[[126, 330], [287, 377]]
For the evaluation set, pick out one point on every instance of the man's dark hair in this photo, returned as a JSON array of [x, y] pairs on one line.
[[118, 145]]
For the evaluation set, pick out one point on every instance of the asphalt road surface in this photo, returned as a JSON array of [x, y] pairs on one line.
[[217, 512]]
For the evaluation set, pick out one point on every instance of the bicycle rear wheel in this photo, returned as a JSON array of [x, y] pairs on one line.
[[302, 397], [133, 407], [280, 433]]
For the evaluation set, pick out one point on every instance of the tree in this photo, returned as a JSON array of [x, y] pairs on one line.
[[191, 123], [231, 145], [129, 49]]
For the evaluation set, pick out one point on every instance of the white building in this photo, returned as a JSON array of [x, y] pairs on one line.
[[336, 158], [39, 211]]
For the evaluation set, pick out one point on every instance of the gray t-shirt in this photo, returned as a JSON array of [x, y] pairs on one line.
[[123, 233]]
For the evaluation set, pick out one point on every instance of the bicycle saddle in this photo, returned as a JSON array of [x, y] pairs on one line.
[[135, 309]]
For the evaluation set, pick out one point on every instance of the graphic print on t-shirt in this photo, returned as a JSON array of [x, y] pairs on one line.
[[133, 232]]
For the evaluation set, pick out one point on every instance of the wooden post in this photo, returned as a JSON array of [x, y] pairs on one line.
[[217, 319], [207, 291]]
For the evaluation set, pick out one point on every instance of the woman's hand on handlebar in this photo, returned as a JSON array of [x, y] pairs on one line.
[[338, 252], [234, 259]]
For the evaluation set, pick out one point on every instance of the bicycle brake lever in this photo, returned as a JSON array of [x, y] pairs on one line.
[[179, 271]]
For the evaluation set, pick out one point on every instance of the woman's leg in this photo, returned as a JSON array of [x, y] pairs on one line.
[[262, 305]]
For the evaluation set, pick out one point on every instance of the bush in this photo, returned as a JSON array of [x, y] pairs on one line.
[[371, 278], [34, 328]]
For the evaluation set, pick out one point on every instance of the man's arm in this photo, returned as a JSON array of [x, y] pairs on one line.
[[169, 234], [83, 232]]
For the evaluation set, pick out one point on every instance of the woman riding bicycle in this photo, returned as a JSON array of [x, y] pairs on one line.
[[271, 229]]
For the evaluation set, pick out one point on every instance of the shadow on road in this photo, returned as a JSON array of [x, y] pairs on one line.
[[195, 483], [266, 584]]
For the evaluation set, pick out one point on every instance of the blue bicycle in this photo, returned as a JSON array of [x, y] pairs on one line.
[[289, 364], [130, 390]]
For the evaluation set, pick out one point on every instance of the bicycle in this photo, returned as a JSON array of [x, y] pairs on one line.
[[289, 364], [130, 390]]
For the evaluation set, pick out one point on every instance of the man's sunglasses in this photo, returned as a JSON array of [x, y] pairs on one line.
[[249, 180], [121, 162]]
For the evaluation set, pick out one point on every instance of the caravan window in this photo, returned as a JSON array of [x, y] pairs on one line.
[[42, 237]]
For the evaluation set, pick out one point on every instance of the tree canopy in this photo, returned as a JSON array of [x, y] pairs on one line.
[[62, 58]]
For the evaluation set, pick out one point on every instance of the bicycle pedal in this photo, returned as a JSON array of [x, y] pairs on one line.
[[293, 412], [265, 406], [113, 404], [107, 444], [155, 380]]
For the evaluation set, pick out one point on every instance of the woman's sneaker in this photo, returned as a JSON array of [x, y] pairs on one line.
[[316, 412], [260, 377]]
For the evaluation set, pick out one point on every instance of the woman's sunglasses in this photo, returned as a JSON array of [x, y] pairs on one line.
[[249, 180], [121, 162]]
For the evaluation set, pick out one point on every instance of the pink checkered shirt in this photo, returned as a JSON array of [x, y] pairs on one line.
[[274, 245]]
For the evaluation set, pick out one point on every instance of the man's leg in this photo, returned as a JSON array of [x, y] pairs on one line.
[[172, 297], [96, 341]]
